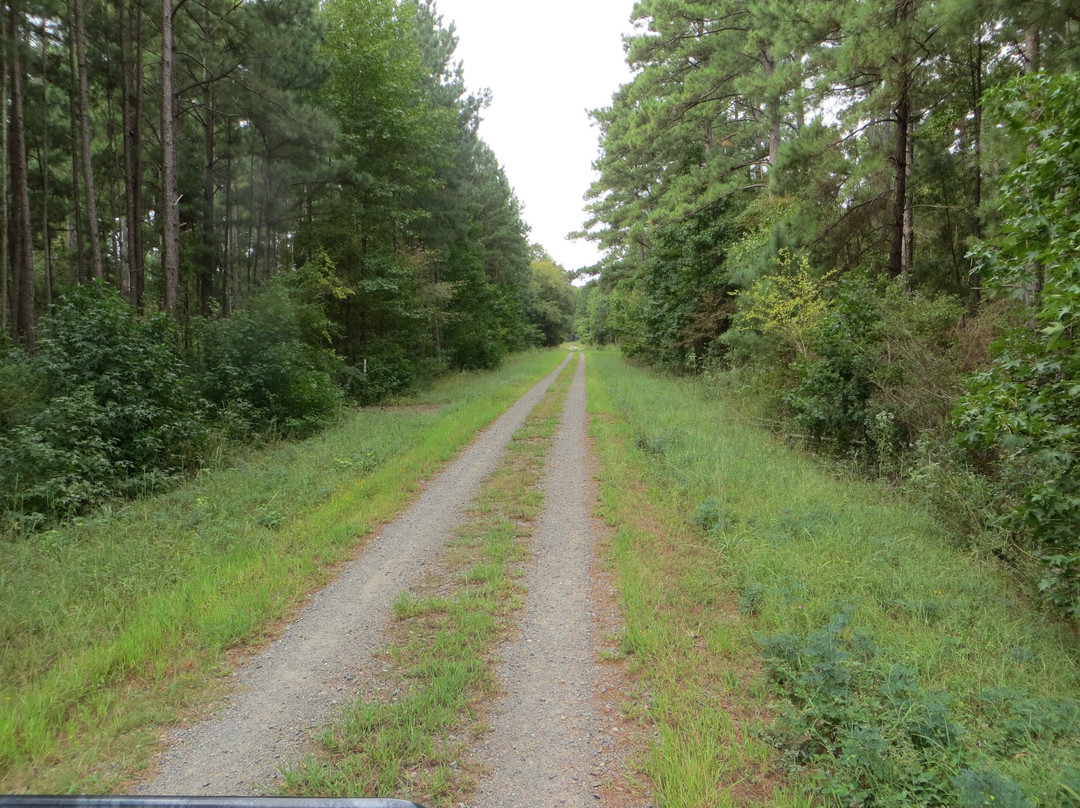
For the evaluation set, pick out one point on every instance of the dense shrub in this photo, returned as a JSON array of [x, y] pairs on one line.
[[387, 370], [1028, 403], [104, 408], [269, 364], [831, 400], [868, 365]]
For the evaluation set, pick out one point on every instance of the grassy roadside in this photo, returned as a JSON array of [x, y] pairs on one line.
[[117, 624], [807, 640], [408, 736]]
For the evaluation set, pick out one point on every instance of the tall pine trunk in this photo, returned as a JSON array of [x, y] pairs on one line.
[[6, 299], [899, 257], [43, 159], [75, 11], [232, 283], [20, 249], [170, 248], [131, 56], [209, 241], [78, 256]]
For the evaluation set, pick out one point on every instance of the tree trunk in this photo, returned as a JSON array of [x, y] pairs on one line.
[[209, 242], [43, 159], [6, 298], [73, 118], [20, 248], [131, 55], [977, 93], [908, 247], [170, 248], [903, 121], [232, 283], [1031, 50], [75, 11], [897, 265], [773, 115], [977, 87]]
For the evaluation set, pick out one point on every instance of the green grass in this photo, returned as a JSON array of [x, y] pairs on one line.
[[807, 638], [118, 623], [408, 740]]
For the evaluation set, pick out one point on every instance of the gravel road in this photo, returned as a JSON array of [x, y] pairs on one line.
[[547, 746], [297, 684]]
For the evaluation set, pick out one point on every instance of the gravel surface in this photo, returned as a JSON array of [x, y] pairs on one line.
[[547, 746], [297, 684]]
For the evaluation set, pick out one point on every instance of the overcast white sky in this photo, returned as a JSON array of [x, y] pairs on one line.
[[545, 67]]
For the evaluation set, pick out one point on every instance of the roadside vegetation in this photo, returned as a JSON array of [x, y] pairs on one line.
[[331, 230], [117, 623], [409, 735], [864, 214], [804, 637]]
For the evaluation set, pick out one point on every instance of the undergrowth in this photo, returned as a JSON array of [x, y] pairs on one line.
[[902, 669]]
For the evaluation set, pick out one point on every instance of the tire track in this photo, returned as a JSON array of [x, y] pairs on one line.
[[545, 745], [298, 683]]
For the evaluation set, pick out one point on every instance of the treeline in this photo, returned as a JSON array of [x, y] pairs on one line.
[[867, 211], [226, 217]]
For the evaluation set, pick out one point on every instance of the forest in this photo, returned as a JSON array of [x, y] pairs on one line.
[[831, 387], [227, 219], [865, 215]]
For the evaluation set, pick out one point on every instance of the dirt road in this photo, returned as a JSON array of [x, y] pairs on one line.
[[545, 733], [545, 741]]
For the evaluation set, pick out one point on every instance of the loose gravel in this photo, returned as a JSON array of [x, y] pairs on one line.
[[296, 685], [548, 746]]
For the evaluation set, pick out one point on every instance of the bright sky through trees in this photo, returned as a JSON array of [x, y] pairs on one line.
[[545, 71]]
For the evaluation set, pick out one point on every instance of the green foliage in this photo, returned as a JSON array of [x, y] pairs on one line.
[[788, 305], [870, 365], [593, 311], [871, 735], [553, 302], [832, 396], [1029, 401], [885, 637], [269, 364], [108, 409], [710, 517], [386, 371], [673, 310], [980, 788]]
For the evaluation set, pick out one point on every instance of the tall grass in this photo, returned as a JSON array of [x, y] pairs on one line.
[[729, 544], [116, 624]]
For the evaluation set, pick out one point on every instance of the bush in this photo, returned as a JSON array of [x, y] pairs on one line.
[[269, 365], [108, 410], [867, 733], [1028, 402], [389, 371], [868, 364]]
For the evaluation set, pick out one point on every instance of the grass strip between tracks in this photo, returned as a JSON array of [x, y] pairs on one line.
[[809, 639], [122, 621], [409, 736]]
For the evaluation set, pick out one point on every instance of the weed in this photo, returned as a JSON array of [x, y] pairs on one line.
[[710, 517]]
